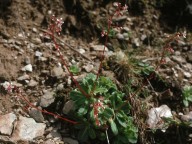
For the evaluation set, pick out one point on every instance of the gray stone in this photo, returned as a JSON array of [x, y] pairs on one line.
[[32, 83], [57, 72], [187, 74], [120, 36], [50, 141], [178, 59], [69, 105], [27, 60], [88, 67], [36, 115], [118, 19], [189, 57], [27, 129], [143, 37], [55, 135], [126, 29], [7, 123], [187, 117], [98, 47], [70, 140], [47, 99], [6, 140], [23, 77]]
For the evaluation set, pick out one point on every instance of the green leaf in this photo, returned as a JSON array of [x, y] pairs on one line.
[[74, 69], [83, 134], [108, 113], [121, 120], [79, 99], [186, 103], [82, 111], [100, 90], [92, 134], [113, 127], [132, 137]]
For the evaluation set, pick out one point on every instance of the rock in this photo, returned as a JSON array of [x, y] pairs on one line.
[[32, 83], [126, 35], [23, 77], [27, 68], [81, 51], [36, 115], [49, 141], [70, 140], [43, 59], [126, 29], [98, 47], [136, 42], [27, 129], [189, 57], [27, 60], [38, 54], [57, 72], [143, 37], [120, 36], [7, 123], [187, 117], [187, 74], [34, 30], [69, 105], [60, 87], [155, 115], [69, 81], [6, 140], [55, 135], [118, 19], [88, 68], [178, 59], [177, 53], [18, 43], [47, 99]]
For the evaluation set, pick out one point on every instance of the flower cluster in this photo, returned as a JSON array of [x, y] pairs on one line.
[[55, 25], [7, 86], [120, 9], [96, 109]]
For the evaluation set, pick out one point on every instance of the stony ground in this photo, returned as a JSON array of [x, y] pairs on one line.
[[28, 60]]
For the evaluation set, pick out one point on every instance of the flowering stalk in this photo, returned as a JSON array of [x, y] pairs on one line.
[[119, 12], [55, 27]]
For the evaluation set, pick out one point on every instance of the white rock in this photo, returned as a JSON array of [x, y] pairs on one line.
[[155, 116], [136, 42], [27, 129], [6, 123], [82, 51], [98, 47], [34, 30], [27, 68], [38, 54], [187, 74]]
